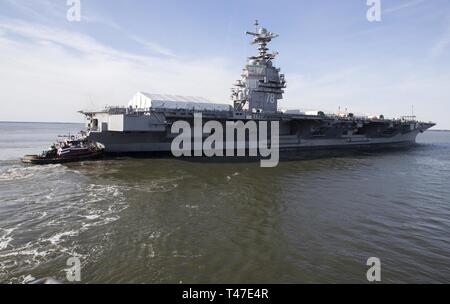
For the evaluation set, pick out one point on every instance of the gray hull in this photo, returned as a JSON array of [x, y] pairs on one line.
[[118, 142]]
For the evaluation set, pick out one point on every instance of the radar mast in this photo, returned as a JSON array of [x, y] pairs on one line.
[[261, 85]]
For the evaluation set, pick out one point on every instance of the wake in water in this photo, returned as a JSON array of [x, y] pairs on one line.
[[18, 172], [57, 205], [61, 205]]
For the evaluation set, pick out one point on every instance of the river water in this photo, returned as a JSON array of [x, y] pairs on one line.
[[170, 221]]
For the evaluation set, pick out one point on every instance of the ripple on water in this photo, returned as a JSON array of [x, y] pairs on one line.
[[20, 172], [5, 237], [68, 205], [310, 221]]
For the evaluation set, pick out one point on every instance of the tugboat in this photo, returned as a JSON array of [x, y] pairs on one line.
[[71, 149]]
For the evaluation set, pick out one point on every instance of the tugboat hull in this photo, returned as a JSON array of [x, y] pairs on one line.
[[39, 160]]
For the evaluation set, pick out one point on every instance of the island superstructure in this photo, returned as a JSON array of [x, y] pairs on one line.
[[145, 124]]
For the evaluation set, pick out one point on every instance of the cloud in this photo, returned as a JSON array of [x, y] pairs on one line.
[[34, 9], [51, 10], [35, 32], [442, 44], [401, 7], [58, 10], [89, 17], [153, 47], [49, 74]]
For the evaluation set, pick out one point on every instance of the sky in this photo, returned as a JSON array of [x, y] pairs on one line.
[[332, 56]]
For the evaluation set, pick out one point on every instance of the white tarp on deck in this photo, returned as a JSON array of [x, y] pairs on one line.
[[144, 101]]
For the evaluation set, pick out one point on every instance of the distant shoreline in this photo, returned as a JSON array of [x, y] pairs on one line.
[[43, 122]]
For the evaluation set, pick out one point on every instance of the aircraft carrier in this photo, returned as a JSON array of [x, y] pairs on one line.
[[145, 125]]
